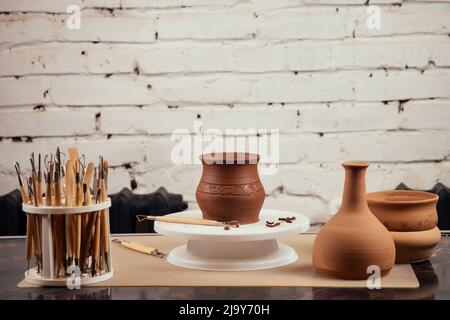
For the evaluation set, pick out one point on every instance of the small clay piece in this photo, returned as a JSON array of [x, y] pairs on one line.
[[288, 220], [404, 210], [274, 224], [415, 246], [230, 188], [233, 223], [353, 239], [226, 227]]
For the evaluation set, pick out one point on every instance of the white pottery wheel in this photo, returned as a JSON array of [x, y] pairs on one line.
[[249, 247]]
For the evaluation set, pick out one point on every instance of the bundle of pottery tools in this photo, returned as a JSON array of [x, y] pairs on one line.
[[67, 218]]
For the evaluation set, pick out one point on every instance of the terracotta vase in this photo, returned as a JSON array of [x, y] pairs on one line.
[[353, 239], [404, 210], [230, 188], [415, 246]]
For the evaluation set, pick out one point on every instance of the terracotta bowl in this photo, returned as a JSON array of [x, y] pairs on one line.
[[404, 210], [415, 246]]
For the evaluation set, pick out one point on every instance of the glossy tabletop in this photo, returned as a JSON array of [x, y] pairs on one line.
[[433, 275]]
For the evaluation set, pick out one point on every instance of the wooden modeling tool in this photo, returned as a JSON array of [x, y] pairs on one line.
[[39, 180], [140, 248], [96, 245], [32, 222], [49, 187], [105, 214], [36, 218], [87, 240], [23, 192], [25, 199], [78, 222], [69, 203], [59, 220], [88, 180], [196, 221]]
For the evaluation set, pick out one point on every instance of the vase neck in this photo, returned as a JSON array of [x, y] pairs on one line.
[[354, 195]]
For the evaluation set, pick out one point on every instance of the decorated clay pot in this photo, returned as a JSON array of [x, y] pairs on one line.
[[404, 210], [230, 188], [353, 240], [415, 246]]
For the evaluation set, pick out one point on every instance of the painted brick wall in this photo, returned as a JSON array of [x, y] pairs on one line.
[[137, 70]]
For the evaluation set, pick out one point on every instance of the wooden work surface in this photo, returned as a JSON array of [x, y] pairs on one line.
[[132, 268]]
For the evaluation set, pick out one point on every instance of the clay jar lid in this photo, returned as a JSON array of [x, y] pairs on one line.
[[235, 158], [404, 210]]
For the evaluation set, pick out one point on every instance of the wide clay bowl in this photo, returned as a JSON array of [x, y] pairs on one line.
[[230, 188], [415, 246], [404, 210]]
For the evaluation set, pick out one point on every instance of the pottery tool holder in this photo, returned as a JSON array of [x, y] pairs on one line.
[[47, 277], [249, 247]]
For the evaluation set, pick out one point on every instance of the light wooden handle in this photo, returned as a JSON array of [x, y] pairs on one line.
[[48, 194], [57, 194], [69, 183], [24, 194], [39, 192], [138, 247], [196, 221], [96, 247], [88, 180]]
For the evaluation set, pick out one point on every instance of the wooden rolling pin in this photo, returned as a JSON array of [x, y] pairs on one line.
[[196, 221]]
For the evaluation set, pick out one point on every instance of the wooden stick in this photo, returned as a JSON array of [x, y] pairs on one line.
[[59, 228], [69, 203], [88, 235], [87, 180], [73, 156], [96, 246], [49, 189], [29, 240], [38, 228], [23, 193], [33, 220], [25, 199], [195, 221], [79, 202], [105, 215], [39, 181], [57, 190]]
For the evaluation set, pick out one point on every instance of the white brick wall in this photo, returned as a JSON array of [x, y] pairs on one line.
[[137, 70]]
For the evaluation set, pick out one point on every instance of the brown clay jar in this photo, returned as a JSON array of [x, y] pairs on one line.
[[404, 210], [353, 239], [230, 188]]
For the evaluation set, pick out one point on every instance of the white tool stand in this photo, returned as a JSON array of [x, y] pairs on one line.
[[249, 247], [47, 275]]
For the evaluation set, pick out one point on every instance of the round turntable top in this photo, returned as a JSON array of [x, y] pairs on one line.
[[247, 232]]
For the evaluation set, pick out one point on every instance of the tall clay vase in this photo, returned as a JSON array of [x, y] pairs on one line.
[[230, 188], [353, 239]]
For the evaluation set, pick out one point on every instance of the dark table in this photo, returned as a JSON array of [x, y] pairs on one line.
[[433, 275]]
